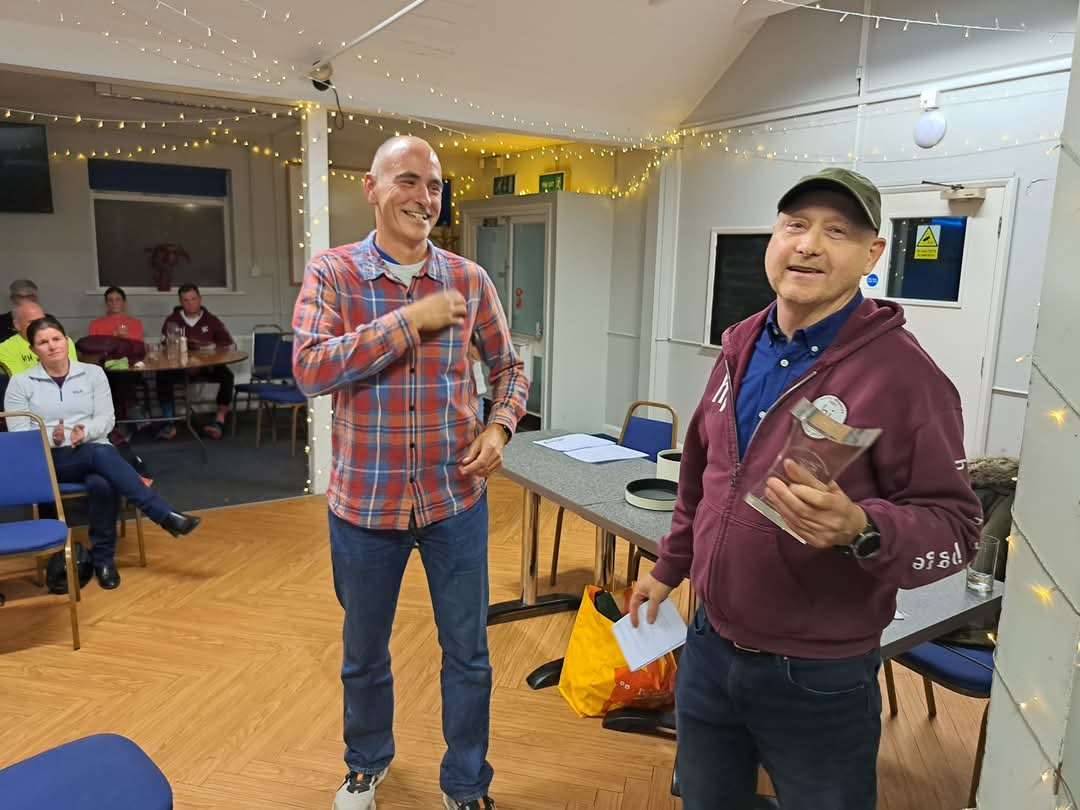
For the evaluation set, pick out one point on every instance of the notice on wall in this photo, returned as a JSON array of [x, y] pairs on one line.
[[928, 242]]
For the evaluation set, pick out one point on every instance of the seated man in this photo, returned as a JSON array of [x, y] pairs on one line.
[[202, 330], [21, 289], [16, 355]]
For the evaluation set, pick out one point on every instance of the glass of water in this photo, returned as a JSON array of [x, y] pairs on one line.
[[980, 571]]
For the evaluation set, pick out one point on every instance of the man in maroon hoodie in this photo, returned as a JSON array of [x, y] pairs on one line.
[[202, 330], [781, 662]]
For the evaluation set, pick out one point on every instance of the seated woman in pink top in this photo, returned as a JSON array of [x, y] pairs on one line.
[[117, 322]]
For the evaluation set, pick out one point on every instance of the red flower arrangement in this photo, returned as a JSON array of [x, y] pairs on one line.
[[163, 259]]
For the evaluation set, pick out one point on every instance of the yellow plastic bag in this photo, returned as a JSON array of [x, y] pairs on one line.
[[595, 677]]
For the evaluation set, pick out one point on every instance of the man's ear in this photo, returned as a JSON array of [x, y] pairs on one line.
[[876, 249]]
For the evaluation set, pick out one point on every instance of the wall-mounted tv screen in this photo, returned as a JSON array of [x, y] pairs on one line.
[[24, 170]]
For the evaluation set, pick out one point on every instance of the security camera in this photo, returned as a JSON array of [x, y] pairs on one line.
[[320, 74]]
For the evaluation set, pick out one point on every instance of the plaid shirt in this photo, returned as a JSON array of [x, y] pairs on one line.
[[405, 408]]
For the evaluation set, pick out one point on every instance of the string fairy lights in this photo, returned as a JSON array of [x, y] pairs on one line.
[[937, 22], [1052, 774]]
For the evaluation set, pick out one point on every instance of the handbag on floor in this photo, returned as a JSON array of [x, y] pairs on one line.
[[595, 677], [56, 570]]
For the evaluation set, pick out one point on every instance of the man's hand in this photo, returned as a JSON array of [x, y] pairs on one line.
[[78, 435], [822, 514], [648, 589], [433, 313], [58, 433], [484, 456]]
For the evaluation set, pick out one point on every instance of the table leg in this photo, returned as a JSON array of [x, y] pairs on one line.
[[530, 603], [604, 559], [187, 419], [603, 575]]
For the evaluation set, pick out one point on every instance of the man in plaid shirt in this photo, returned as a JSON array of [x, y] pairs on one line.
[[385, 326]]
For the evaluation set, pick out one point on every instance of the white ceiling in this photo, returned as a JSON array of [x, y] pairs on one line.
[[583, 69]]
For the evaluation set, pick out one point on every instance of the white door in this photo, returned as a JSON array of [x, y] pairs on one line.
[[941, 263]]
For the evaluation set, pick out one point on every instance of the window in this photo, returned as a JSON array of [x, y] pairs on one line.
[[513, 252], [738, 286], [161, 225], [925, 258]]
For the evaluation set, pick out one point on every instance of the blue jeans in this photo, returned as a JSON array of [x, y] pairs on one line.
[[368, 566], [107, 476], [814, 724]]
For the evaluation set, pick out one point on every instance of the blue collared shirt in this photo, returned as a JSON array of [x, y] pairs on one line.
[[778, 362]]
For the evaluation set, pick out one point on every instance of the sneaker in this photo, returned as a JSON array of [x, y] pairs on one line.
[[486, 803], [357, 792]]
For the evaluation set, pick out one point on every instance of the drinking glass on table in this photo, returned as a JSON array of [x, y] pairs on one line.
[[980, 571]]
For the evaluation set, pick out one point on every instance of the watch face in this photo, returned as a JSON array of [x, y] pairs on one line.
[[866, 544]]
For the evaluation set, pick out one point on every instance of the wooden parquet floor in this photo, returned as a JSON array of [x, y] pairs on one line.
[[221, 660]]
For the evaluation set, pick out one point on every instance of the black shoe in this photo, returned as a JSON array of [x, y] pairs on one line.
[[107, 575], [177, 524]]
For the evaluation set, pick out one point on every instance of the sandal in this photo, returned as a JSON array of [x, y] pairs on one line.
[[215, 430]]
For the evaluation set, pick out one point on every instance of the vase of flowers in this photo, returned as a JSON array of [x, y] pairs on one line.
[[164, 259]]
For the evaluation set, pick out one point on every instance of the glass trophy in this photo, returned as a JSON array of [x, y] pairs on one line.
[[817, 443]]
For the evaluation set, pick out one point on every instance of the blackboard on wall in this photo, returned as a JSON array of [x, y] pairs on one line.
[[738, 286]]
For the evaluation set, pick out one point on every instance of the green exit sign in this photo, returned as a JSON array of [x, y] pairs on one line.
[[503, 184], [556, 181]]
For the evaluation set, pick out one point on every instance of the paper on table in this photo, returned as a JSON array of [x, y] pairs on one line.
[[574, 441], [607, 452], [645, 643]]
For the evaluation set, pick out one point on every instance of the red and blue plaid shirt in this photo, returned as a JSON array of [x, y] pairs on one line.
[[405, 407]]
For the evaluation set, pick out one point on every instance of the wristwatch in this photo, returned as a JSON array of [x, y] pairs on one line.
[[506, 430], [867, 543]]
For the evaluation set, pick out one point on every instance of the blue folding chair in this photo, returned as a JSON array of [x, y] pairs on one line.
[[99, 772], [27, 478], [264, 342], [641, 433], [965, 670], [282, 392]]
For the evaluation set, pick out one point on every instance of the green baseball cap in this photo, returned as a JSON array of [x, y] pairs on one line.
[[859, 188]]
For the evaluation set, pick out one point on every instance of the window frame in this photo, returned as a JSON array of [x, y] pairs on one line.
[[172, 199], [714, 234]]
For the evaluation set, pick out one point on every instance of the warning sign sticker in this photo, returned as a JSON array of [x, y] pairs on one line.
[[927, 242]]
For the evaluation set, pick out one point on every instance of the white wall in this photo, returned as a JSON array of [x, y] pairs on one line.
[[719, 190], [803, 57], [627, 279], [1033, 743]]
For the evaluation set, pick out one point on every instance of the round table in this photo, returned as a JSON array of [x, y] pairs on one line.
[[162, 361]]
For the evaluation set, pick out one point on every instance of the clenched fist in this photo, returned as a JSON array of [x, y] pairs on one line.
[[434, 313]]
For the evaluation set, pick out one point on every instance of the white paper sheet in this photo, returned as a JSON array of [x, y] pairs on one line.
[[607, 452], [645, 643], [574, 441], [898, 616]]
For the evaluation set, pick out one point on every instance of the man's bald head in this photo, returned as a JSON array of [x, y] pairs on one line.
[[393, 150], [26, 313]]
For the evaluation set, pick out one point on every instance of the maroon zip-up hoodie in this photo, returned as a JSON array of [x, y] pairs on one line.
[[763, 588]]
